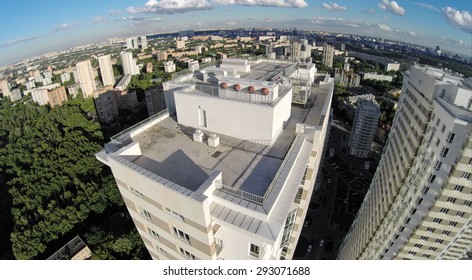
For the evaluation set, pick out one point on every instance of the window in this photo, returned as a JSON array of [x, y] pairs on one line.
[[453, 224], [467, 202], [444, 210], [253, 250], [202, 117], [432, 249], [136, 192], [418, 246], [412, 253], [466, 175], [425, 190], [413, 211], [444, 152], [426, 256], [424, 238], [446, 232], [182, 235], [437, 220], [175, 214], [458, 188], [438, 165], [145, 213], [450, 137], [160, 250], [451, 199], [460, 214], [402, 229], [186, 254], [440, 241], [153, 233], [430, 229], [431, 178]]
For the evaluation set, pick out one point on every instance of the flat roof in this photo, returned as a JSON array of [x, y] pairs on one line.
[[264, 70], [169, 151]]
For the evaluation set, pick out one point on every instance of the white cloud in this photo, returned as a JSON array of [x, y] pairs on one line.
[[99, 19], [230, 22], [183, 6], [459, 19], [333, 7], [427, 6], [139, 20], [386, 17], [66, 26], [392, 7], [114, 12], [171, 6], [266, 3], [412, 33], [385, 27], [368, 11]]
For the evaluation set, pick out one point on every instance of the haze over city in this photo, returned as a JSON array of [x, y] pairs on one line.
[[38, 27]]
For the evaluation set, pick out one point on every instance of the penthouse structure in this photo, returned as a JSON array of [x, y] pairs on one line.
[[228, 169], [419, 203]]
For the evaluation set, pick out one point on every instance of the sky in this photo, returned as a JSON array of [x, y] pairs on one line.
[[32, 27]]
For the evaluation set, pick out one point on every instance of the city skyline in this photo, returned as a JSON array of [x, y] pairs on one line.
[[61, 25]]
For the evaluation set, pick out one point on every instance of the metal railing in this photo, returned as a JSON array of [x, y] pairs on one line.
[[126, 134], [253, 197]]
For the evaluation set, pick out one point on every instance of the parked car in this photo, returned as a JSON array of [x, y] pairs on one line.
[[310, 247], [321, 242]]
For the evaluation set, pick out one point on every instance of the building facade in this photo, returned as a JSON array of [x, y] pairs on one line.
[[5, 87], [418, 205], [364, 127], [106, 70], [86, 78], [224, 192], [106, 104], [328, 55], [129, 64]]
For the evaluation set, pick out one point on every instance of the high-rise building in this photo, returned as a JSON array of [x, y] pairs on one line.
[[40, 96], [132, 43], [86, 78], [240, 185], [328, 55], [364, 127], [419, 203], [155, 100], [129, 64], [57, 96], [144, 44], [106, 70], [106, 104], [65, 77], [5, 87]]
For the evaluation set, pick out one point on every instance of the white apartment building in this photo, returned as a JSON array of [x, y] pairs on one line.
[[419, 202], [65, 77], [231, 173], [86, 78], [169, 67], [40, 96], [364, 127], [106, 70], [129, 64], [143, 41], [5, 87], [328, 55], [179, 44]]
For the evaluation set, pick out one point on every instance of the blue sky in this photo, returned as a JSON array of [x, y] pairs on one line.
[[31, 27]]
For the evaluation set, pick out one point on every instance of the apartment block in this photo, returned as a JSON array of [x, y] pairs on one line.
[[57, 96], [106, 70], [419, 203], [129, 64], [364, 127], [106, 104], [328, 56], [5, 87], [86, 78], [228, 169]]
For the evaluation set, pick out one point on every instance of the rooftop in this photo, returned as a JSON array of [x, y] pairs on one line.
[[168, 150]]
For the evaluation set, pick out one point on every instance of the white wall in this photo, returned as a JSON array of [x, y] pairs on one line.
[[233, 118]]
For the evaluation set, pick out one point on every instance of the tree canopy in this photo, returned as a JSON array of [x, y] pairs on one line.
[[49, 168]]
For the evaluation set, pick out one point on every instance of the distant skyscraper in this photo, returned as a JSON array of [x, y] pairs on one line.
[[419, 202], [144, 44], [132, 43], [128, 63], [5, 88], [86, 78], [106, 70], [328, 55], [364, 127]]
